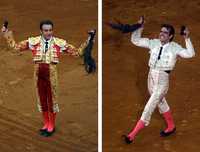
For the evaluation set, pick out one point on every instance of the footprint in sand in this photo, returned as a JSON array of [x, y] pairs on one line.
[[78, 128], [119, 132], [184, 123], [195, 111], [1, 101], [156, 145], [179, 133], [167, 146], [14, 82], [30, 148]]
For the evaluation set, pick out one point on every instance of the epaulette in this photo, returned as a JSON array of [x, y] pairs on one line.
[[34, 40], [59, 42]]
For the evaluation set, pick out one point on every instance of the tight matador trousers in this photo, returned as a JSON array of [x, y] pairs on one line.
[[45, 76], [158, 84]]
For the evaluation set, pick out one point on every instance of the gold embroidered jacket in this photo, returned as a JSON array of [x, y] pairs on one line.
[[37, 46]]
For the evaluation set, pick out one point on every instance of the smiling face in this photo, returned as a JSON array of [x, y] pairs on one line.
[[47, 31], [164, 35]]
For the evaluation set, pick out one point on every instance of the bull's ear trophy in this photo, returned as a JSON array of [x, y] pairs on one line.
[[5, 24], [4, 28], [89, 62]]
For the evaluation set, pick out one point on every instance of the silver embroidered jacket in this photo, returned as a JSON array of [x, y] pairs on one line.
[[169, 54]]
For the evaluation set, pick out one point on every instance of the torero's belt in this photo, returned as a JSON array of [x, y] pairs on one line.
[[168, 71]]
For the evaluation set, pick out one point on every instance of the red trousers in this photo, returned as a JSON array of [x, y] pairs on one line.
[[44, 87]]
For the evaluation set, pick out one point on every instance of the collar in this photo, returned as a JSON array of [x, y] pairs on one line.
[[43, 39], [165, 45]]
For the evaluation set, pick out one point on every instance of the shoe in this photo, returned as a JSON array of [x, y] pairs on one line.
[[47, 133], [127, 139], [165, 134], [42, 132]]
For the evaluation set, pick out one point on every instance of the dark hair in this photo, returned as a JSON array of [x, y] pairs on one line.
[[46, 22], [171, 30]]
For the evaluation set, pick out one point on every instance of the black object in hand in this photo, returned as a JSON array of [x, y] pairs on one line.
[[182, 30], [126, 28], [142, 19], [5, 24], [89, 62], [92, 34]]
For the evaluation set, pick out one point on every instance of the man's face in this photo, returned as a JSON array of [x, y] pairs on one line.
[[164, 35], [47, 31]]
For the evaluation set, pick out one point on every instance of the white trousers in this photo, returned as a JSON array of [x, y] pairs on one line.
[[158, 84]]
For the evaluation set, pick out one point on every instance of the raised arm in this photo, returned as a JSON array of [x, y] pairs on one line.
[[187, 52], [136, 38], [8, 35]]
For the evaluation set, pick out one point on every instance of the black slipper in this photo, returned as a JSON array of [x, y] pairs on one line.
[[165, 134], [47, 133], [127, 139], [42, 132]]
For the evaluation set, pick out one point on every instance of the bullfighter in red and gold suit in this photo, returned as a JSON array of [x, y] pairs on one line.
[[46, 50]]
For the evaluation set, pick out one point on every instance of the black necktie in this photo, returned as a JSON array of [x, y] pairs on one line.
[[46, 46], [160, 53]]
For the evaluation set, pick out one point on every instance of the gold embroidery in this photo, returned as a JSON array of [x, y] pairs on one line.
[[54, 86], [70, 49], [36, 67], [59, 42], [34, 40]]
